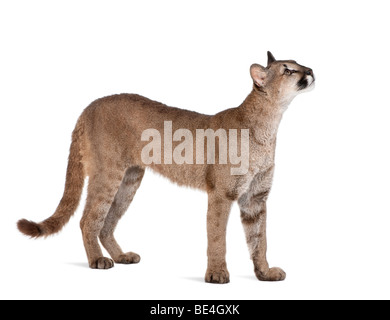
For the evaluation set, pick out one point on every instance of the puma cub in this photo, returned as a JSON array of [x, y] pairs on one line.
[[116, 138]]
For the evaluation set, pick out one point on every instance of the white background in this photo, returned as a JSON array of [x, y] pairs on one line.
[[329, 214]]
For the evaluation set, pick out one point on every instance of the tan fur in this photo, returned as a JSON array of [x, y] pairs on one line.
[[106, 147]]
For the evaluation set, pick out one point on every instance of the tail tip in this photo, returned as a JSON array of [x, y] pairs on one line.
[[29, 228]]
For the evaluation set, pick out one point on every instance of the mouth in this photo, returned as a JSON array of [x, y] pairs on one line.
[[305, 83]]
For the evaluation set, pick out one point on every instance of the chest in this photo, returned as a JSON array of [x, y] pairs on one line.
[[261, 156], [259, 178]]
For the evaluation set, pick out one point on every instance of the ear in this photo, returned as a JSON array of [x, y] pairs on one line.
[[259, 75], [271, 58]]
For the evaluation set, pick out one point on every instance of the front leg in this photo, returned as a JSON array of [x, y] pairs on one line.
[[217, 218], [254, 220]]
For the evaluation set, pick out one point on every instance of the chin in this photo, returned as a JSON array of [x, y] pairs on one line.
[[310, 87]]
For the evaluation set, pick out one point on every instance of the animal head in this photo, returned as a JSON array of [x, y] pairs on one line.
[[282, 79]]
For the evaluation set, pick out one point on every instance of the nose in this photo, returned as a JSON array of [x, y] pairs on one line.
[[309, 72]]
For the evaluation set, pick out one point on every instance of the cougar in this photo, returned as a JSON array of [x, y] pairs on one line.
[[116, 138]]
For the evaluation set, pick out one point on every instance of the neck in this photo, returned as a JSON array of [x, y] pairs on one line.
[[259, 106], [262, 114]]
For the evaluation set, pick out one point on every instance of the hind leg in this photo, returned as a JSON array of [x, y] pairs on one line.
[[102, 189], [122, 201]]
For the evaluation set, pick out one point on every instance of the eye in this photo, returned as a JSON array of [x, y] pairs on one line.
[[288, 72]]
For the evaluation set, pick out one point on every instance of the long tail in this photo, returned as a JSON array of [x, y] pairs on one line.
[[75, 177]]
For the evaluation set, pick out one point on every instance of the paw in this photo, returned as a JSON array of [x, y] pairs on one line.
[[128, 258], [273, 274], [220, 276], [102, 264]]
